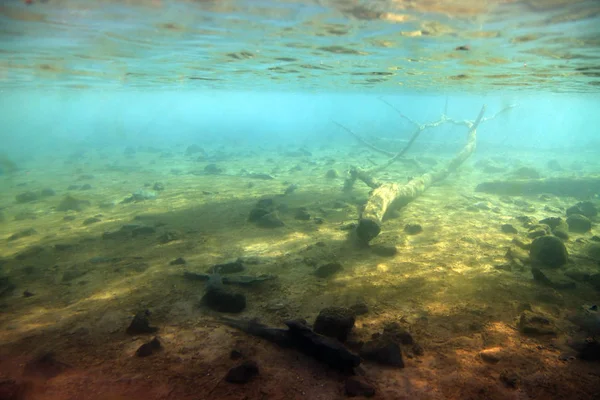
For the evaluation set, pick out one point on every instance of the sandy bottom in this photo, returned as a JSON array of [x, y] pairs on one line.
[[442, 285]]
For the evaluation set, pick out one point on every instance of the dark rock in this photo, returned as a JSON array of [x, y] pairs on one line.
[[593, 251], [159, 187], [413, 229], [579, 223], [384, 251], [270, 220], [222, 300], [72, 187], [148, 348], [532, 324], [194, 149], [548, 251], [556, 283], [526, 173], [91, 220], [140, 324], [27, 293], [257, 213], [302, 214], [356, 386], [26, 197], [213, 169], [508, 228], [322, 348], [585, 208], [47, 192], [32, 251], [235, 355], [243, 372], [326, 270], [178, 261], [383, 351], [335, 322], [396, 333], [70, 203], [86, 186], [23, 233]]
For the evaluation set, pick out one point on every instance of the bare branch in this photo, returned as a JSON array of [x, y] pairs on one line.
[[364, 142]]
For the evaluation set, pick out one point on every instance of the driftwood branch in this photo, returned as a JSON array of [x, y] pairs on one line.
[[386, 194], [366, 175]]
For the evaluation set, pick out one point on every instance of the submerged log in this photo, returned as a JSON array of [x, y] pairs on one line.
[[382, 197], [574, 187]]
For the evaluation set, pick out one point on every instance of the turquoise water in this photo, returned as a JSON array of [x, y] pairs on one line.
[[148, 147]]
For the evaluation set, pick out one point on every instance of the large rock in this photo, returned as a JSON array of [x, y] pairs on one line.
[[579, 223], [335, 322], [548, 251]]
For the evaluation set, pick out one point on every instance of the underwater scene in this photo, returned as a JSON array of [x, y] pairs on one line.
[[299, 199]]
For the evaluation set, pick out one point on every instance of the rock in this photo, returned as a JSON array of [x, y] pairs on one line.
[[290, 189], [270, 220], [491, 355], [579, 223], [90, 221], [326, 270], [213, 169], [140, 324], [335, 322], [26, 197], [222, 300], [148, 348], [556, 282], [70, 203], [383, 351], [302, 214], [394, 332], [23, 233], [548, 251], [526, 173], [235, 354], [178, 261], [532, 324], [194, 149], [585, 208], [413, 229], [158, 187], [357, 386], [331, 174], [47, 192], [508, 228], [593, 251], [86, 186], [243, 372], [587, 350]]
